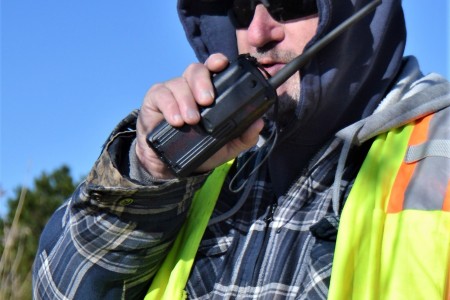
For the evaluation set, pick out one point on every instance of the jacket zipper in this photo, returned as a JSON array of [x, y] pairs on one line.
[[269, 218], [262, 250]]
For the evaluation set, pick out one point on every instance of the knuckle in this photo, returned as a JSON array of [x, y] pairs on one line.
[[192, 69], [176, 82], [156, 88], [216, 61]]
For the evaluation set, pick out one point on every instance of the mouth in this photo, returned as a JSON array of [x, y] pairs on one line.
[[272, 68]]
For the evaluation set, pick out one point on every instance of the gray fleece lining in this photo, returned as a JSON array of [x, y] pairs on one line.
[[402, 106], [405, 103]]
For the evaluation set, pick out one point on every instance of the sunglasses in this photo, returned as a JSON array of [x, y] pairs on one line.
[[242, 11]]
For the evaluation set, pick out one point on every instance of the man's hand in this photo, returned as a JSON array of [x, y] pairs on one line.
[[177, 102]]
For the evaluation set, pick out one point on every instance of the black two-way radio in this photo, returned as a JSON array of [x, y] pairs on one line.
[[243, 94]]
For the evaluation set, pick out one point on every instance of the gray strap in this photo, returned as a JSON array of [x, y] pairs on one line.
[[431, 148]]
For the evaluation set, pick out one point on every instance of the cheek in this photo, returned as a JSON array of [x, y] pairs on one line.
[[291, 87], [310, 29]]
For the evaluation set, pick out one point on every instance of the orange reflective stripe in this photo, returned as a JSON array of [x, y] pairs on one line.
[[446, 206], [406, 171], [402, 252]]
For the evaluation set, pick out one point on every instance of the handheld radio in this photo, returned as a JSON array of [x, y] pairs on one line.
[[243, 95]]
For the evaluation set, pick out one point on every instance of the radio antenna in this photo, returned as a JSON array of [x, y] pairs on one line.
[[298, 62]]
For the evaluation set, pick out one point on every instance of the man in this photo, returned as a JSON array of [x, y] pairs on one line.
[[344, 123]]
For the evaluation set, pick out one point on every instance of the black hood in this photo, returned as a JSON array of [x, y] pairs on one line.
[[343, 83]]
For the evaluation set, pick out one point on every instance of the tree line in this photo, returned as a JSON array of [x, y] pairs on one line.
[[28, 212]]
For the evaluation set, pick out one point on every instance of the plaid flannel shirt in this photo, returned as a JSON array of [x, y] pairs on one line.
[[108, 239]]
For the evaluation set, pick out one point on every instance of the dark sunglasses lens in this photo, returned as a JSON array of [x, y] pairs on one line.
[[242, 11], [287, 10]]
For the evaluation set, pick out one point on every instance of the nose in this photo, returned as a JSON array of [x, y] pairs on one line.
[[263, 29]]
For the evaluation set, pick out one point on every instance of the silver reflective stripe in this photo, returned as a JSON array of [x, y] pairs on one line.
[[430, 148], [429, 184]]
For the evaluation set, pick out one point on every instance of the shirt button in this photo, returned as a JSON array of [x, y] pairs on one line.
[[96, 196], [126, 201]]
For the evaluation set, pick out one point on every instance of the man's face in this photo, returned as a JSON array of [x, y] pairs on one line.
[[276, 43]]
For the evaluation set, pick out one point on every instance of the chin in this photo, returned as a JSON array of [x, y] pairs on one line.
[[286, 110]]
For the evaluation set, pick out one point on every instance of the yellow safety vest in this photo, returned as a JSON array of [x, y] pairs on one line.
[[391, 243], [394, 235]]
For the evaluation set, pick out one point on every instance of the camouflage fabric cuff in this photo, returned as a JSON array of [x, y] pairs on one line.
[[112, 170]]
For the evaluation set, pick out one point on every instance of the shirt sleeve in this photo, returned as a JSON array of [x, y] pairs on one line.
[[108, 240]]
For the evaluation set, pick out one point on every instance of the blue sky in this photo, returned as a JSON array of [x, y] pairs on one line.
[[70, 70]]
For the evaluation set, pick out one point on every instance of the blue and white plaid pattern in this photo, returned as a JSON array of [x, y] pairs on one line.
[[99, 247], [273, 248]]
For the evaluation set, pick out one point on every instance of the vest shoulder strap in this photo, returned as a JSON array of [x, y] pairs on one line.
[[170, 281]]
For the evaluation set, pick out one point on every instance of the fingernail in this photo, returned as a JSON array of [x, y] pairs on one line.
[[177, 118], [192, 114], [207, 95]]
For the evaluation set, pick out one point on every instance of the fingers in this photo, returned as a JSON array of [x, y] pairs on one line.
[[231, 150], [216, 62], [198, 77], [175, 101], [178, 99]]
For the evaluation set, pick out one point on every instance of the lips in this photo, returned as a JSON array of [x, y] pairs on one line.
[[272, 68], [271, 65]]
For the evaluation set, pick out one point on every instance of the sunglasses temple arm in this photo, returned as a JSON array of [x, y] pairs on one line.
[[287, 71]]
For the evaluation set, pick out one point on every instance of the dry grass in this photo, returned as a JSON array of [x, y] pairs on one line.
[[14, 286]]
